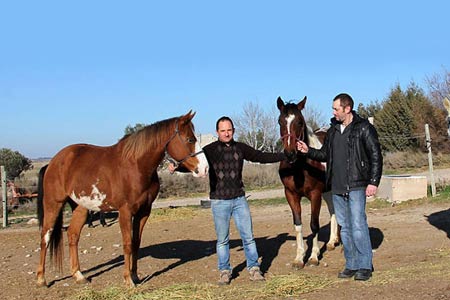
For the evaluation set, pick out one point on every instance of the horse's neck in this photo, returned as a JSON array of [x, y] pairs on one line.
[[150, 157]]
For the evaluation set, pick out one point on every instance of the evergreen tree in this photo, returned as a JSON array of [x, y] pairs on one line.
[[14, 163]]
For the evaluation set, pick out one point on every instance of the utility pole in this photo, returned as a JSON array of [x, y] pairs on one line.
[[430, 160], [4, 197]]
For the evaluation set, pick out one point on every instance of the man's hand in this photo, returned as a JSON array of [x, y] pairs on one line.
[[171, 168], [371, 190], [302, 147]]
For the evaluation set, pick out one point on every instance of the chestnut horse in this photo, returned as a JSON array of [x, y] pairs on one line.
[[303, 177], [121, 177]]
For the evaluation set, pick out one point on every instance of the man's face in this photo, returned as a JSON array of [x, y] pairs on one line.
[[225, 131], [340, 112]]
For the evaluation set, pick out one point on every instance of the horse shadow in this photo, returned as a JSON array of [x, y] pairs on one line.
[[185, 251], [440, 220], [190, 250]]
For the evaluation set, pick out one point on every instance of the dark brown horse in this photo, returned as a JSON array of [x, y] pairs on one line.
[[303, 177], [121, 177]]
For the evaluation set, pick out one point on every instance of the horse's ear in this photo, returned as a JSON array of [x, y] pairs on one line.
[[301, 104], [187, 117], [280, 103]]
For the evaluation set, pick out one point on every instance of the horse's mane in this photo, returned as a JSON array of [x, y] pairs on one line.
[[290, 106], [150, 137]]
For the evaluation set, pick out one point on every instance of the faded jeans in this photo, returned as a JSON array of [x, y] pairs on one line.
[[222, 211], [351, 216]]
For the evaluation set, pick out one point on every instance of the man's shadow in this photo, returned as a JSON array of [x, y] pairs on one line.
[[440, 220]]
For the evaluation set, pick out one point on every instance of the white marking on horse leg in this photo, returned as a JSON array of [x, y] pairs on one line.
[[289, 120], [47, 237], [202, 167], [300, 244], [79, 277], [333, 230], [314, 258]]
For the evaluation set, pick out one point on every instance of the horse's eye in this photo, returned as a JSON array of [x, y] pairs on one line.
[[191, 140]]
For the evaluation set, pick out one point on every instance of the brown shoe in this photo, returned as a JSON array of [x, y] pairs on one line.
[[255, 274], [225, 277]]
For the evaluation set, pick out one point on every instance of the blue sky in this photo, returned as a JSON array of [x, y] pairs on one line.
[[81, 71]]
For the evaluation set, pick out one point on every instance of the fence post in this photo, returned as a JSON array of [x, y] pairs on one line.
[[4, 197], [430, 160]]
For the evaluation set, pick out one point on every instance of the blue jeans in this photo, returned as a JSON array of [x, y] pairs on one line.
[[351, 215], [222, 211]]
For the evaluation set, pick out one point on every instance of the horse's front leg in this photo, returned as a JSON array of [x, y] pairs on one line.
[[316, 203], [139, 222], [79, 216], [138, 227], [334, 234], [125, 222], [293, 199]]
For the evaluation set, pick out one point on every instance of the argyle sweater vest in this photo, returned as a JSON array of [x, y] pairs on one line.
[[225, 167]]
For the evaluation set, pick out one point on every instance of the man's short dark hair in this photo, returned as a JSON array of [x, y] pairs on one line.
[[224, 118], [346, 100]]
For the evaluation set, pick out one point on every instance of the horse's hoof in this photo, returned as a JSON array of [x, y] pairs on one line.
[[313, 262], [81, 281], [79, 278], [134, 278], [41, 283], [331, 247], [297, 265], [129, 283]]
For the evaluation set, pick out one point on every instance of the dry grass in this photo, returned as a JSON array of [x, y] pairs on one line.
[[277, 287], [292, 286]]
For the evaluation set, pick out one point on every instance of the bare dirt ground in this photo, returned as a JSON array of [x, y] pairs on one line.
[[411, 255]]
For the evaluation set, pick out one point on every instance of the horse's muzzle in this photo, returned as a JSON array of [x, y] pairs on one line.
[[291, 156]]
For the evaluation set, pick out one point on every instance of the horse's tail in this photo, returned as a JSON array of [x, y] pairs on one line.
[[55, 242], [40, 198]]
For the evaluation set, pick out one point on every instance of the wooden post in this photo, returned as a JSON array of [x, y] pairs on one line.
[[4, 197], [430, 160]]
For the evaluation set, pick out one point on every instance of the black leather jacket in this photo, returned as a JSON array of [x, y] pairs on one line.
[[365, 162]]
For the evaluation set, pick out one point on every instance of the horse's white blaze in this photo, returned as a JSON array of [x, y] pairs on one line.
[[93, 201], [300, 244], [289, 120], [47, 237], [202, 167]]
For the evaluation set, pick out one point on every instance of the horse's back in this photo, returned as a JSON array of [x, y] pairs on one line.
[[82, 155], [79, 166]]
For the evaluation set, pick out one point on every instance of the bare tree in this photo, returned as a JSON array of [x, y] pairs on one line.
[[256, 128], [314, 117], [438, 87]]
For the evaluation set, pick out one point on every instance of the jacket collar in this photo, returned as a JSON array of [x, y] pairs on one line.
[[356, 119]]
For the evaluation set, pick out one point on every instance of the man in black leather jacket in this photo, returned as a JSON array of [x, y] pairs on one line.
[[354, 166]]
